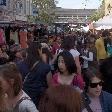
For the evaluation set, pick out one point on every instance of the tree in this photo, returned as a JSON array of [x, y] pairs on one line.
[[99, 13], [45, 9]]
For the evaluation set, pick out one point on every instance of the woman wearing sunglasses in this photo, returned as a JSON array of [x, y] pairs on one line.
[[94, 98]]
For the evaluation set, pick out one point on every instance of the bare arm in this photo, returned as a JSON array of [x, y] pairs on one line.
[[49, 79], [77, 62]]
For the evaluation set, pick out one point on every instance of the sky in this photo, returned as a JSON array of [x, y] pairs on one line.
[[79, 4]]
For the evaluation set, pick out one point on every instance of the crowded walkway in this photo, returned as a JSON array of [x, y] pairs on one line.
[[65, 72]]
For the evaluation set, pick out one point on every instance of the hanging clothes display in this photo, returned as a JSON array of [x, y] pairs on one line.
[[2, 36], [14, 36], [7, 33], [23, 38]]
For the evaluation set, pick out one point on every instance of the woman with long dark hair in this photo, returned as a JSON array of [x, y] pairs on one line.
[[36, 76], [69, 44], [67, 71]]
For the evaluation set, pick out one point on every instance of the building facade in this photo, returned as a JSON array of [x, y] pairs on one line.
[[73, 15], [15, 10], [108, 7]]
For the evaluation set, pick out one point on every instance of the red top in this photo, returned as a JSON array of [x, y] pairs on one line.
[[55, 47], [77, 81]]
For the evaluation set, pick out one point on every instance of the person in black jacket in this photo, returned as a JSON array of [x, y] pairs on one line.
[[106, 70], [35, 72], [94, 99]]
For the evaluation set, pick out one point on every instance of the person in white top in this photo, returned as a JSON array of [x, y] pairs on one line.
[[87, 55], [68, 44], [11, 82]]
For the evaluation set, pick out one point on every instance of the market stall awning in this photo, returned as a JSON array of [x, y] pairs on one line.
[[106, 21], [103, 27]]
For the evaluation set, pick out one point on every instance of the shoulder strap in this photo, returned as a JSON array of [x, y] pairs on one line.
[[86, 102], [16, 109], [34, 65]]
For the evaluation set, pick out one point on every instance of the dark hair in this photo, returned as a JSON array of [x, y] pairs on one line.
[[10, 71], [11, 42], [24, 53], [106, 67], [106, 71], [69, 61], [1, 46], [68, 43], [89, 75], [33, 53], [46, 51], [61, 98], [105, 33], [3, 60], [57, 36]]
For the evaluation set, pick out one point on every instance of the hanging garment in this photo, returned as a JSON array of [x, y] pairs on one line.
[[23, 39], [14, 36], [2, 39]]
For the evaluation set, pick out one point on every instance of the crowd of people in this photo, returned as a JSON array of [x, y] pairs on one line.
[[61, 73]]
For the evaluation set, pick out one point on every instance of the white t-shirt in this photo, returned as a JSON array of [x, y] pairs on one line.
[[86, 59], [58, 51], [74, 53], [27, 105]]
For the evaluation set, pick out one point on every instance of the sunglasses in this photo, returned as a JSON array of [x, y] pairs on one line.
[[94, 85]]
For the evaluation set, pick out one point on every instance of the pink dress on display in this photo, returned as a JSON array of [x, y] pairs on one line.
[[2, 40]]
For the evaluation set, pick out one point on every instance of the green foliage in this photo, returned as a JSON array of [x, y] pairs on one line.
[[31, 19], [96, 16], [99, 13], [45, 10]]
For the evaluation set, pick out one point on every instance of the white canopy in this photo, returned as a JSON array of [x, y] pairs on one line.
[[103, 27], [105, 21]]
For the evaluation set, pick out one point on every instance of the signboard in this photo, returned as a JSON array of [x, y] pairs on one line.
[[21, 18], [3, 2]]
